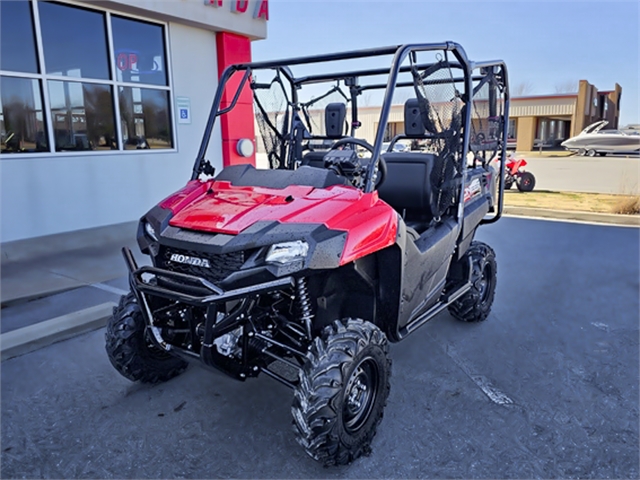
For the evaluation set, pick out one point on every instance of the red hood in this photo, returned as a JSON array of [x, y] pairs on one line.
[[224, 208], [219, 207]]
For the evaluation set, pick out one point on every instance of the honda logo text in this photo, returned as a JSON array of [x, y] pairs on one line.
[[195, 261]]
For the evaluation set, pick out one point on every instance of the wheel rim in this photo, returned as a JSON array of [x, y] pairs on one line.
[[485, 283], [360, 395]]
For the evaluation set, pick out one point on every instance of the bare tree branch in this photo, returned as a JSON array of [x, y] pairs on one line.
[[568, 86], [366, 100], [522, 88]]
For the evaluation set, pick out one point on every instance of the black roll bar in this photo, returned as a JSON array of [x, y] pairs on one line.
[[399, 57], [399, 53], [505, 132]]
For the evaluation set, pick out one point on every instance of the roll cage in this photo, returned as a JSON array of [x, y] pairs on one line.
[[458, 138]]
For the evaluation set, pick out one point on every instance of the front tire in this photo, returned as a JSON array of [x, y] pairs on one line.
[[475, 305], [343, 389], [130, 350]]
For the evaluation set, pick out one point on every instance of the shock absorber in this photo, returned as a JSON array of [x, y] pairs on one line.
[[304, 302]]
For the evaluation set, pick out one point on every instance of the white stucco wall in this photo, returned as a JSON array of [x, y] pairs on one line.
[[196, 13], [54, 193]]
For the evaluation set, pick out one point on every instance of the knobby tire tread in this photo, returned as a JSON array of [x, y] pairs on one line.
[[128, 351], [469, 308], [317, 404]]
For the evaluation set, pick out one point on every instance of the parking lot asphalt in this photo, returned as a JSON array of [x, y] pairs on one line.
[[547, 387]]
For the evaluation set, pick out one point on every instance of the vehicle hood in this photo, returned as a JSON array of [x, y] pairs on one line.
[[221, 207]]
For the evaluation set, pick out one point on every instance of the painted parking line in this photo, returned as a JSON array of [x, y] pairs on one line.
[[495, 395]]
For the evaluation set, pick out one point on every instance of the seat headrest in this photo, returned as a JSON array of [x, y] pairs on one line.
[[334, 117], [413, 126]]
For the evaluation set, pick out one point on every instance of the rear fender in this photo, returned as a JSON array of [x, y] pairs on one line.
[[476, 207]]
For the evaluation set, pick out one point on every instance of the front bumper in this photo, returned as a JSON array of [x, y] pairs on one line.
[[218, 295], [143, 286]]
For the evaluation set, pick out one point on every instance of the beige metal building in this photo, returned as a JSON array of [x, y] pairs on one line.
[[547, 120], [534, 121]]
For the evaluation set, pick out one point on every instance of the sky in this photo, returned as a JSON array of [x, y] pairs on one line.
[[545, 44]]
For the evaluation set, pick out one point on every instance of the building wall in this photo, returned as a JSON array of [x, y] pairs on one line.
[[48, 194], [540, 106], [526, 133], [216, 15], [592, 106]]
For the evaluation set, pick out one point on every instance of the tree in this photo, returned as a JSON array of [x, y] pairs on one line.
[[522, 88], [568, 86], [366, 100]]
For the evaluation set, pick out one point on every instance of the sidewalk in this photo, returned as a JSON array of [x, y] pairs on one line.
[[52, 297], [27, 279]]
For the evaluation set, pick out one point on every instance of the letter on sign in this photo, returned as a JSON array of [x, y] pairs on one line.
[[240, 6], [262, 10]]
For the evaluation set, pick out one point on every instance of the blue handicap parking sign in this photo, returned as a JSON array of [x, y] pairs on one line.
[[184, 113]]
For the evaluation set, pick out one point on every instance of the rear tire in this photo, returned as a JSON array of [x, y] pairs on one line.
[[475, 305], [591, 153], [130, 350], [526, 182], [343, 389]]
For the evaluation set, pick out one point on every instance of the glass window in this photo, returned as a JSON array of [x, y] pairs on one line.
[[74, 41], [22, 126], [512, 128], [17, 42], [138, 51], [145, 118], [82, 116]]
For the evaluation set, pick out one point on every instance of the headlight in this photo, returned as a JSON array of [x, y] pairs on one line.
[[148, 228], [287, 252]]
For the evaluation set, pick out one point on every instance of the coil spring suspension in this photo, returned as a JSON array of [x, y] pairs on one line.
[[304, 303]]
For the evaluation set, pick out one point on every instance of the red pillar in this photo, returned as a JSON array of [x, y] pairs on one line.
[[238, 123]]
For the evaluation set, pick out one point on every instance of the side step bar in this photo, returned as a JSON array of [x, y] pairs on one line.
[[416, 323]]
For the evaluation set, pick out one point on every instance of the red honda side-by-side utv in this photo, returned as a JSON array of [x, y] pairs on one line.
[[306, 269]]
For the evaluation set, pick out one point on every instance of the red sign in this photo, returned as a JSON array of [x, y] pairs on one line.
[[261, 10], [126, 61]]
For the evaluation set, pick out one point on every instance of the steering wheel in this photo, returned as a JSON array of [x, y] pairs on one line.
[[367, 146]]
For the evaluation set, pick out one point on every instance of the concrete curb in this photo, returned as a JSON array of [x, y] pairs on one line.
[[607, 218], [17, 300], [51, 245], [27, 339]]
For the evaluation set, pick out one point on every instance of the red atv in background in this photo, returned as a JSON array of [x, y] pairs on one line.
[[515, 173]]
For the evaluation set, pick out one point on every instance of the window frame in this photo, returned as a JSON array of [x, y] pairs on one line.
[[43, 78]]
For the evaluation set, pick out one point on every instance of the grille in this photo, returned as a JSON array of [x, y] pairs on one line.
[[221, 266]]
